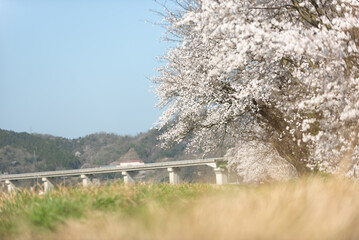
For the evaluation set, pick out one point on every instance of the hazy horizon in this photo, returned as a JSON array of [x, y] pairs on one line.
[[93, 133]]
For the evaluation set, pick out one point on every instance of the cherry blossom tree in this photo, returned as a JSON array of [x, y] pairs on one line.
[[284, 72]]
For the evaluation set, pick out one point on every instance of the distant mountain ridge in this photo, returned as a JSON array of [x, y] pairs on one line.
[[24, 152]]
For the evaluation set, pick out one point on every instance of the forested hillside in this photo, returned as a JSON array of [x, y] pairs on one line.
[[24, 152]]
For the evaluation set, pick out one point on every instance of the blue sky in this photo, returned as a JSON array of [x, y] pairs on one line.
[[74, 67]]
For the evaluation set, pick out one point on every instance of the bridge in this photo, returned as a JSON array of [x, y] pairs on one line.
[[127, 172]]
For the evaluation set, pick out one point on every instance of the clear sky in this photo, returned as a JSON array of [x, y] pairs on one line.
[[74, 67]]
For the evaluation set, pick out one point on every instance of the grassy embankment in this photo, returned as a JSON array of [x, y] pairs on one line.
[[307, 208]]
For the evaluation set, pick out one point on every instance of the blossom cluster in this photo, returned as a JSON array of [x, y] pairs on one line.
[[236, 59]]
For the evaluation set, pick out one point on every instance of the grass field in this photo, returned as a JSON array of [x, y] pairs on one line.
[[307, 208]]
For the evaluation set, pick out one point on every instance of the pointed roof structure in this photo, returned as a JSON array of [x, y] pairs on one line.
[[129, 156]]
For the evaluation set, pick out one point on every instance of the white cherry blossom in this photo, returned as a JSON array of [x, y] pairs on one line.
[[284, 71]]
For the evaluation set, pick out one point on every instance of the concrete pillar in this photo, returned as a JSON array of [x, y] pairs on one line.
[[10, 186], [48, 186], [127, 178], [221, 176], [86, 180], [174, 177]]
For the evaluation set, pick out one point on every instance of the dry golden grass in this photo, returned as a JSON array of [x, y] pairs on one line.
[[308, 208]]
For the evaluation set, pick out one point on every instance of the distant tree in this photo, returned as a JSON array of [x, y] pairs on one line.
[[283, 71], [48, 150]]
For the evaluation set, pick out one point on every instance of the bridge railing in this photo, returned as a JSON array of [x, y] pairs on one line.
[[127, 172]]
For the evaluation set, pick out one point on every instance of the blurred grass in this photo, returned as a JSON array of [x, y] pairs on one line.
[[312, 207], [44, 212]]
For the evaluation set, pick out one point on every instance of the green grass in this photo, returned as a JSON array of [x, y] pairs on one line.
[[312, 207], [46, 212]]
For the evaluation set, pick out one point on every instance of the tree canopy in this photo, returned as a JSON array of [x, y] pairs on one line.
[[284, 71]]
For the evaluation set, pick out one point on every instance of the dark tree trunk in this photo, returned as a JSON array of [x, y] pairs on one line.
[[286, 147]]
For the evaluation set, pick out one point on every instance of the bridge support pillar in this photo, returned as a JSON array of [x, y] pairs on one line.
[[86, 180], [221, 176], [127, 178], [173, 174], [10, 186], [48, 186]]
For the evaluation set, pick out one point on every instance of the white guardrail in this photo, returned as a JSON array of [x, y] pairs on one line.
[[213, 162]]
